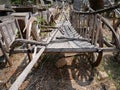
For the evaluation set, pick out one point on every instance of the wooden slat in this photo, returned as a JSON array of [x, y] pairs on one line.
[[14, 28], [7, 32], [10, 31], [69, 35], [72, 39], [6, 36]]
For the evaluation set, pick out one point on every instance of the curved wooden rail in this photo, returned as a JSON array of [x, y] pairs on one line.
[[116, 37], [91, 21]]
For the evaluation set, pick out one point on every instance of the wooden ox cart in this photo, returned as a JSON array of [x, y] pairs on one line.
[[83, 34], [90, 26]]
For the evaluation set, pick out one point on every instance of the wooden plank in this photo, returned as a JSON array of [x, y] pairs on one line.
[[7, 31], [72, 39], [6, 36], [26, 71], [68, 35]]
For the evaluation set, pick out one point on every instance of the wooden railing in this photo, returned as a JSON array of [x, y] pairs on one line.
[[88, 26]]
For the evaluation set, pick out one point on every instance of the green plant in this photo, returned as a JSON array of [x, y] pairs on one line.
[[40, 20], [16, 1]]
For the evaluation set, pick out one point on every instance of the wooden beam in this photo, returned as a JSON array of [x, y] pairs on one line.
[[43, 26], [26, 71], [69, 50], [72, 39], [98, 11], [107, 43], [55, 50], [32, 42], [46, 31], [110, 49]]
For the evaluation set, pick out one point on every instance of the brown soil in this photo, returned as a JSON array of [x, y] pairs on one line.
[[11, 72], [77, 76]]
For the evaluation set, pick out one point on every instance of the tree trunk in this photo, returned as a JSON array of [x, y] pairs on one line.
[[96, 4]]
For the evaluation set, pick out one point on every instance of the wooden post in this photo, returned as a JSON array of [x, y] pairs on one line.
[[6, 56]]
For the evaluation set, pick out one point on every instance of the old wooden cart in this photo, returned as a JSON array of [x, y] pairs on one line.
[[82, 33]]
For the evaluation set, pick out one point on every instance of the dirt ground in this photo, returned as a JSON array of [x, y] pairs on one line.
[[76, 74], [70, 73], [9, 73]]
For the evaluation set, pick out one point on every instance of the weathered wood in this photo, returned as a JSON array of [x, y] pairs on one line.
[[72, 39], [30, 42], [5, 54], [22, 41], [100, 45], [43, 26], [71, 50], [26, 71], [91, 29], [23, 9], [46, 31], [61, 50], [117, 41], [107, 43], [7, 32], [99, 11], [110, 49], [68, 50]]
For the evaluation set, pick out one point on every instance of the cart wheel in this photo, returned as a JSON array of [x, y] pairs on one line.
[[3, 62], [95, 58], [82, 70]]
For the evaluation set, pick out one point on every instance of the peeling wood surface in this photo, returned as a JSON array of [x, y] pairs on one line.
[[61, 44]]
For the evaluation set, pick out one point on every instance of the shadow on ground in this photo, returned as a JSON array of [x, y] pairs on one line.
[[112, 67], [68, 77]]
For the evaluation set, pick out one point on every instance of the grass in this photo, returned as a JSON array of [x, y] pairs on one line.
[[113, 69]]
